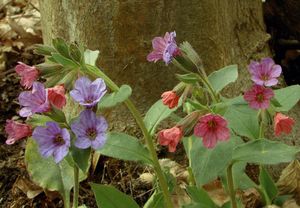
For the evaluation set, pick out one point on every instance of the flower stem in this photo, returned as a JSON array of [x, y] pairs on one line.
[[76, 187], [66, 199], [149, 142], [231, 186], [192, 180], [213, 94], [261, 127]]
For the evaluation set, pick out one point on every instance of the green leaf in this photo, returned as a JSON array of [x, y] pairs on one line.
[[263, 151], [64, 61], [38, 120], [44, 50], [156, 114], [75, 53], [90, 57], [243, 120], [110, 197], [115, 98], [190, 78], [221, 78], [125, 147], [287, 97], [190, 55], [200, 196], [268, 186], [61, 46], [156, 200], [208, 164], [82, 157], [46, 173]]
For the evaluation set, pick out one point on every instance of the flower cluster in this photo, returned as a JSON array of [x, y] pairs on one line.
[[53, 140]]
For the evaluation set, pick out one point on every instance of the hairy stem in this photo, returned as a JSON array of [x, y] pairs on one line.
[[231, 186], [261, 127], [66, 199], [76, 187], [149, 142]]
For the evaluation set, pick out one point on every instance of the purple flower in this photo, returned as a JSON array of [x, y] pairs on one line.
[[259, 97], [52, 140], [88, 93], [164, 48], [35, 101], [265, 73], [89, 130]]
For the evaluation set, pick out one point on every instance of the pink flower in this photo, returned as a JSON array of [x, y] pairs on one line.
[[265, 73], [259, 97], [56, 95], [170, 137], [212, 128], [164, 48], [16, 131], [283, 123], [170, 98], [27, 73]]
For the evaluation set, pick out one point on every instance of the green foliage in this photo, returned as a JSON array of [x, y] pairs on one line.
[[208, 164], [82, 158], [263, 151], [38, 120], [156, 200], [242, 119], [267, 185], [221, 78], [156, 114], [125, 147], [109, 197], [200, 196], [190, 78], [115, 98], [46, 173], [287, 97]]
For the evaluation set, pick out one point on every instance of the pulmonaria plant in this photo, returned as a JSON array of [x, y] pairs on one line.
[[65, 124]]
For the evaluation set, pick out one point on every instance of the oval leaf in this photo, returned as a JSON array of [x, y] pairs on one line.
[[221, 78], [90, 57], [125, 147], [287, 97], [263, 151], [110, 197], [115, 98]]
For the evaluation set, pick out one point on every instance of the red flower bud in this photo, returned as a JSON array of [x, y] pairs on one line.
[[170, 98], [283, 123], [170, 137], [16, 131], [56, 96]]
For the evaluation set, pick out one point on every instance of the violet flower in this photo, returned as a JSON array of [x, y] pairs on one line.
[[89, 130], [164, 48], [52, 140], [34, 101], [88, 93], [265, 73]]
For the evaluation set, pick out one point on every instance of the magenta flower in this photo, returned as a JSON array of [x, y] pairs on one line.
[[16, 131], [88, 93], [89, 130], [164, 48], [212, 128], [52, 140], [265, 73], [34, 101], [28, 74], [259, 97]]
